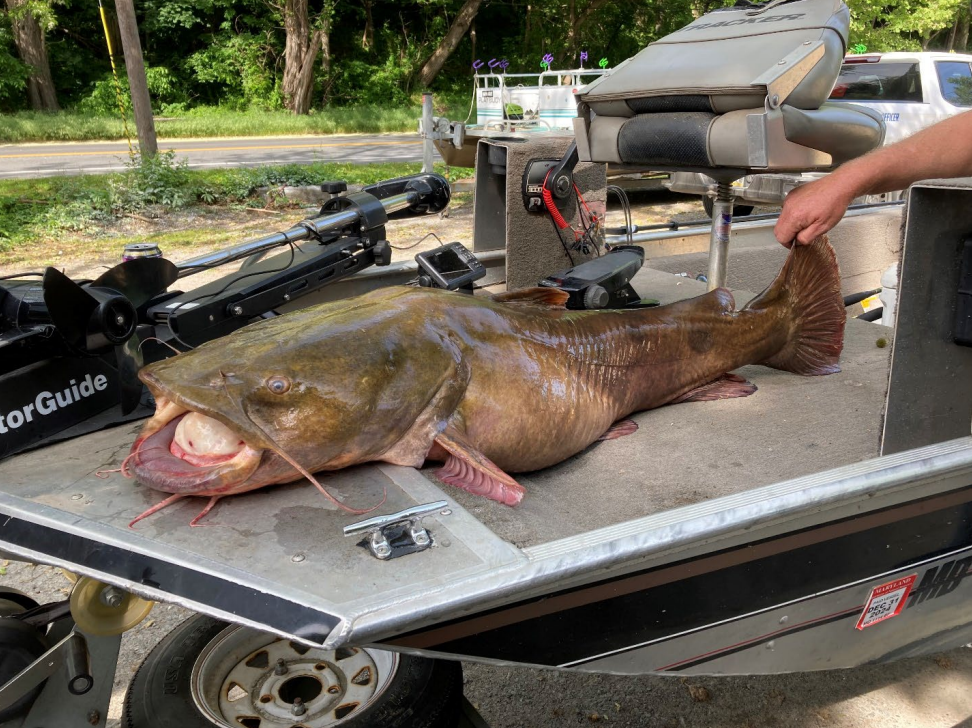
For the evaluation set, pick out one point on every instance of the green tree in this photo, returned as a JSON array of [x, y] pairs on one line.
[[900, 25], [29, 21]]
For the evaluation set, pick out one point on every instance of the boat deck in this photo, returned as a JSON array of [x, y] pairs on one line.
[[276, 559]]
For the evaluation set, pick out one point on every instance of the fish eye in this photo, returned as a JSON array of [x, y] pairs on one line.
[[278, 384]]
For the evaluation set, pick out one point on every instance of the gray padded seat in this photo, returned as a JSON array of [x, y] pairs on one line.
[[740, 89]]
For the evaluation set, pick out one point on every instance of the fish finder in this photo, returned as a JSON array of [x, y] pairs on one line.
[[451, 267]]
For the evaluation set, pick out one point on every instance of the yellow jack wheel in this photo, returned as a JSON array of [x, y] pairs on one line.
[[101, 609]]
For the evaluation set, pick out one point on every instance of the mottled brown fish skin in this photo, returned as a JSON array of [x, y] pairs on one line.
[[381, 376]]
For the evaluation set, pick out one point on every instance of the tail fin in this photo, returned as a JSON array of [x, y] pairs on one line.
[[807, 290]]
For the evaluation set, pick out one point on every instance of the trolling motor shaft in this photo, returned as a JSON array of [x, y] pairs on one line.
[[366, 210], [347, 236]]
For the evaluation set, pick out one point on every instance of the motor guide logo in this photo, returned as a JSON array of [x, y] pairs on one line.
[[742, 21], [886, 601], [47, 403], [44, 399]]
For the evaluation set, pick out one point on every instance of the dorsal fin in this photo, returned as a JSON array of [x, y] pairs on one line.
[[539, 296]]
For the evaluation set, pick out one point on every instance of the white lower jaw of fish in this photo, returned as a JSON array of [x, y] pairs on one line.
[[213, 458]]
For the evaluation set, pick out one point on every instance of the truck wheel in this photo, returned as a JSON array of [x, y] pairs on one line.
[[207, 673], [737, 210]]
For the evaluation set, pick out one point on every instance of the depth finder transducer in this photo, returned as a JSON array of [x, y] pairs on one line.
[[604, 282]]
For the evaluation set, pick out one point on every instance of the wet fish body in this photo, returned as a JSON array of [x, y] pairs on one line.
[[488, 386]]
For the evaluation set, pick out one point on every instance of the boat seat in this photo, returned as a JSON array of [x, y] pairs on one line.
[[740, 90]]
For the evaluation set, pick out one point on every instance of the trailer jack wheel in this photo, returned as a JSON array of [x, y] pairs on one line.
[[207, 673]]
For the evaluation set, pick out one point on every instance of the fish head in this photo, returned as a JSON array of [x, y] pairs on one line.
[[322, 391]]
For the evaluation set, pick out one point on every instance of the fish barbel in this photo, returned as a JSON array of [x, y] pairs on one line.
[[489, 386]]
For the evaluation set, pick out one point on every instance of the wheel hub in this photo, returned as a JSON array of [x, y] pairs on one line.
[[245, 679]]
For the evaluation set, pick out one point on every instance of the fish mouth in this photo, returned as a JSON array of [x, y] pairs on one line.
[[183, 451]]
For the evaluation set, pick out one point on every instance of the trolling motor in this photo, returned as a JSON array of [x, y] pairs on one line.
[[70, 351], [347, 236]]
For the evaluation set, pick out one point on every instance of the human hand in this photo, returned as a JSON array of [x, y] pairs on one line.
[[811, 210]]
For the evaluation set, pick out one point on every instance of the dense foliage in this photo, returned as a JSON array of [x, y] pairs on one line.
[[231, 53]]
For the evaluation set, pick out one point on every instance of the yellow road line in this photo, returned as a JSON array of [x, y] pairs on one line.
[[212, 149]]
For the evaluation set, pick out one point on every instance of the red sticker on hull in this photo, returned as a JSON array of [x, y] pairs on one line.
[[886, 601]]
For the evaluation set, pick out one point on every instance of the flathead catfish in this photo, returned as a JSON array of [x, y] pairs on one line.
[[488, 386]]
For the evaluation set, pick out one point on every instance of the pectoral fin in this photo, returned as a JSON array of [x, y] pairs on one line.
[[619, 429], [469, 469]]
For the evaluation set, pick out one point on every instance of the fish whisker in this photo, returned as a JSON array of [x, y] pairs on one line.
[[297, 466]]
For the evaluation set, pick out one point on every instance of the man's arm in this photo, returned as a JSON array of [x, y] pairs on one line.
[[941, 150]]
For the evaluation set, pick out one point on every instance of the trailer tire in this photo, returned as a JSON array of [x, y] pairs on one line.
[[422, 693], [737, 210], [20, 645]]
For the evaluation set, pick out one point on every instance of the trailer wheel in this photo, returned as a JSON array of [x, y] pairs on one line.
[[207, 673], [737, 210], [20, 645]]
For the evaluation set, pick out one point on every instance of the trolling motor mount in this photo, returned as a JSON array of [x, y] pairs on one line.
[[604, 282]]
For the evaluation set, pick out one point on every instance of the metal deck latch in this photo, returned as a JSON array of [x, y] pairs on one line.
[[397, 534]]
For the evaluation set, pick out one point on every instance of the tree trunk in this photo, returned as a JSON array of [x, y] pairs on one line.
[[962, 31], [526, 30], [29, 39], [368, 37], [305, 80], [571, 30], [141, 103], [300, 53], [326, 45], [441, 54]]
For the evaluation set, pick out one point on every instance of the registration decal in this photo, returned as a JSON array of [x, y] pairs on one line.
[[886, 601]]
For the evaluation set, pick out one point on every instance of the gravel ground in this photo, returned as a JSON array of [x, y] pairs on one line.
[[932, 692]]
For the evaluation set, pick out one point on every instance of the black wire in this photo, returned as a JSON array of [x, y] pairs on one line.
[[561, 239], [419, 242], [233, 281]]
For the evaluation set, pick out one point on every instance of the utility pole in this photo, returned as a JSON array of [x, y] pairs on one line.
[[141, 104]]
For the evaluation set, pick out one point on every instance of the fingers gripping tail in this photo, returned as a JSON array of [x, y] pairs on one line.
[[807, 293]]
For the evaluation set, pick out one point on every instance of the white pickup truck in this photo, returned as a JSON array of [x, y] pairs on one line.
[[911, 90]]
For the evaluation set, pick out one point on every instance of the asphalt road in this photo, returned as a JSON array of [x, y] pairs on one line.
[[45, 160]]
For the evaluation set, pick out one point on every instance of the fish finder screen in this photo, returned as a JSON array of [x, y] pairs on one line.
[[448, 264]]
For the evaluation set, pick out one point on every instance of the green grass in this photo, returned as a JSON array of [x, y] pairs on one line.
[[29, 126], [35, 211]]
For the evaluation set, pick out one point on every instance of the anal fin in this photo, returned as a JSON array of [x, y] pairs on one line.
[[470, 470], [728, 386], [619, 429]]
